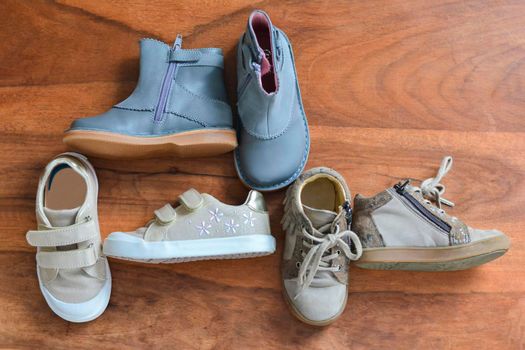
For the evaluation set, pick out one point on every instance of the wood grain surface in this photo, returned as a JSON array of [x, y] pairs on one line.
[[389, 88]]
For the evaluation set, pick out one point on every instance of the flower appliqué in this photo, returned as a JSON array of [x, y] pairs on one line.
[[231, 227], [249, 219], [203, 228], [216, 215]]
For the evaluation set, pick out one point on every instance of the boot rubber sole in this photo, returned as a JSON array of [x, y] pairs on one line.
[[193, 143], [450, 258]]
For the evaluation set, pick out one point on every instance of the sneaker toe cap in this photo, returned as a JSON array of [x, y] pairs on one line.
[[317, 304], [80, 311], [477, 234]]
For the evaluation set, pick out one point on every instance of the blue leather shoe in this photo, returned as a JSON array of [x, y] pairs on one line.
[[273, 131], [179, 107]]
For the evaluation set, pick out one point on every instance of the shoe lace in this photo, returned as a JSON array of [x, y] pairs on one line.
[[317, 258], [432, 190]]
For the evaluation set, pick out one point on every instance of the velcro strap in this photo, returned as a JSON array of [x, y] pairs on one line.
[[70, 259], [191, 199], [165, 215], [61, 236], [182, 55]]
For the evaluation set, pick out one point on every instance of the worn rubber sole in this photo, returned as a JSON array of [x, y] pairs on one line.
[[182, 260], [303, 319], [193, 143], [450, 258]]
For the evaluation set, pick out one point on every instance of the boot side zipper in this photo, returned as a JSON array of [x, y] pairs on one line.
[[420, 208], [166, 83], [244, 85], [255, 68]]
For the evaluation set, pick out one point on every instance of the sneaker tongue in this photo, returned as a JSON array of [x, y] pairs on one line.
[[319, 217], [62, 217]]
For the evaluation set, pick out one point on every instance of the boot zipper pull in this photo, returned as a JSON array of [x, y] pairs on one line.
[[178, 42], [400, 187]]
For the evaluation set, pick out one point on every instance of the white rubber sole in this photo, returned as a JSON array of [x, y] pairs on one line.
[[79, 312], [129, 247]]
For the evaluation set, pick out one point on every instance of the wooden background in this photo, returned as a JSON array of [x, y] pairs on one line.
[[389, 88]]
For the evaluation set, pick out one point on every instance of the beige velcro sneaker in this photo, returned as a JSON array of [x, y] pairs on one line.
[[73, 273], [200, 227]]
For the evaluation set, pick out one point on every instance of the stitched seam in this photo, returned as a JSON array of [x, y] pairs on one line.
[[205, 98], [158, 42], [377, 230], [187, 118], [271, 137], [134, 109], [307, 146], [291, 178]]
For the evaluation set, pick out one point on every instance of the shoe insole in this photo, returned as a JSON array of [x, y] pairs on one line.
[[65, 189], [320, 194]]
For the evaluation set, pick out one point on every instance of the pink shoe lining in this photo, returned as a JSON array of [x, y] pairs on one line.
[[261, 28]]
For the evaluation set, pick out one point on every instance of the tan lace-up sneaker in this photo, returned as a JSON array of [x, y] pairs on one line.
[[318, 246], [199, 228], [73, 274], [402, 229]]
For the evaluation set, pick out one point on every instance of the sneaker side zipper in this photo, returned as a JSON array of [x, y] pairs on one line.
[[166, 83], [420, 208]]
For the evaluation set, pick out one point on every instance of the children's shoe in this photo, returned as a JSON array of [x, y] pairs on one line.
[[73, 274], [179, 107], [319, 246], [199, 228], [273, 131], [405, 228]]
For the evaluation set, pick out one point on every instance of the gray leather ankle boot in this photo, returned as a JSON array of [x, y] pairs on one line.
[[179, 107], [274, 141]]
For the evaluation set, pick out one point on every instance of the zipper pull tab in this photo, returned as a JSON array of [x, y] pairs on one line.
[[400, 187], [348, 212], [256, 67], [178, 42]]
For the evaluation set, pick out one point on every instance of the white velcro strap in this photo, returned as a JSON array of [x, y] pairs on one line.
[[165, 215], [191, 199], [70, 259], [61, 236]]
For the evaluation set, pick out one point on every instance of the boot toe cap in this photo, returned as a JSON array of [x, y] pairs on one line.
[[272, 164]]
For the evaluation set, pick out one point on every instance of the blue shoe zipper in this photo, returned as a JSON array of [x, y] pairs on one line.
[[257, 68], [420, 208], [166, 83], [244, 85]]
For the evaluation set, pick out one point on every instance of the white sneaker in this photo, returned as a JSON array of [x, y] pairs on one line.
[[201, 227]]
